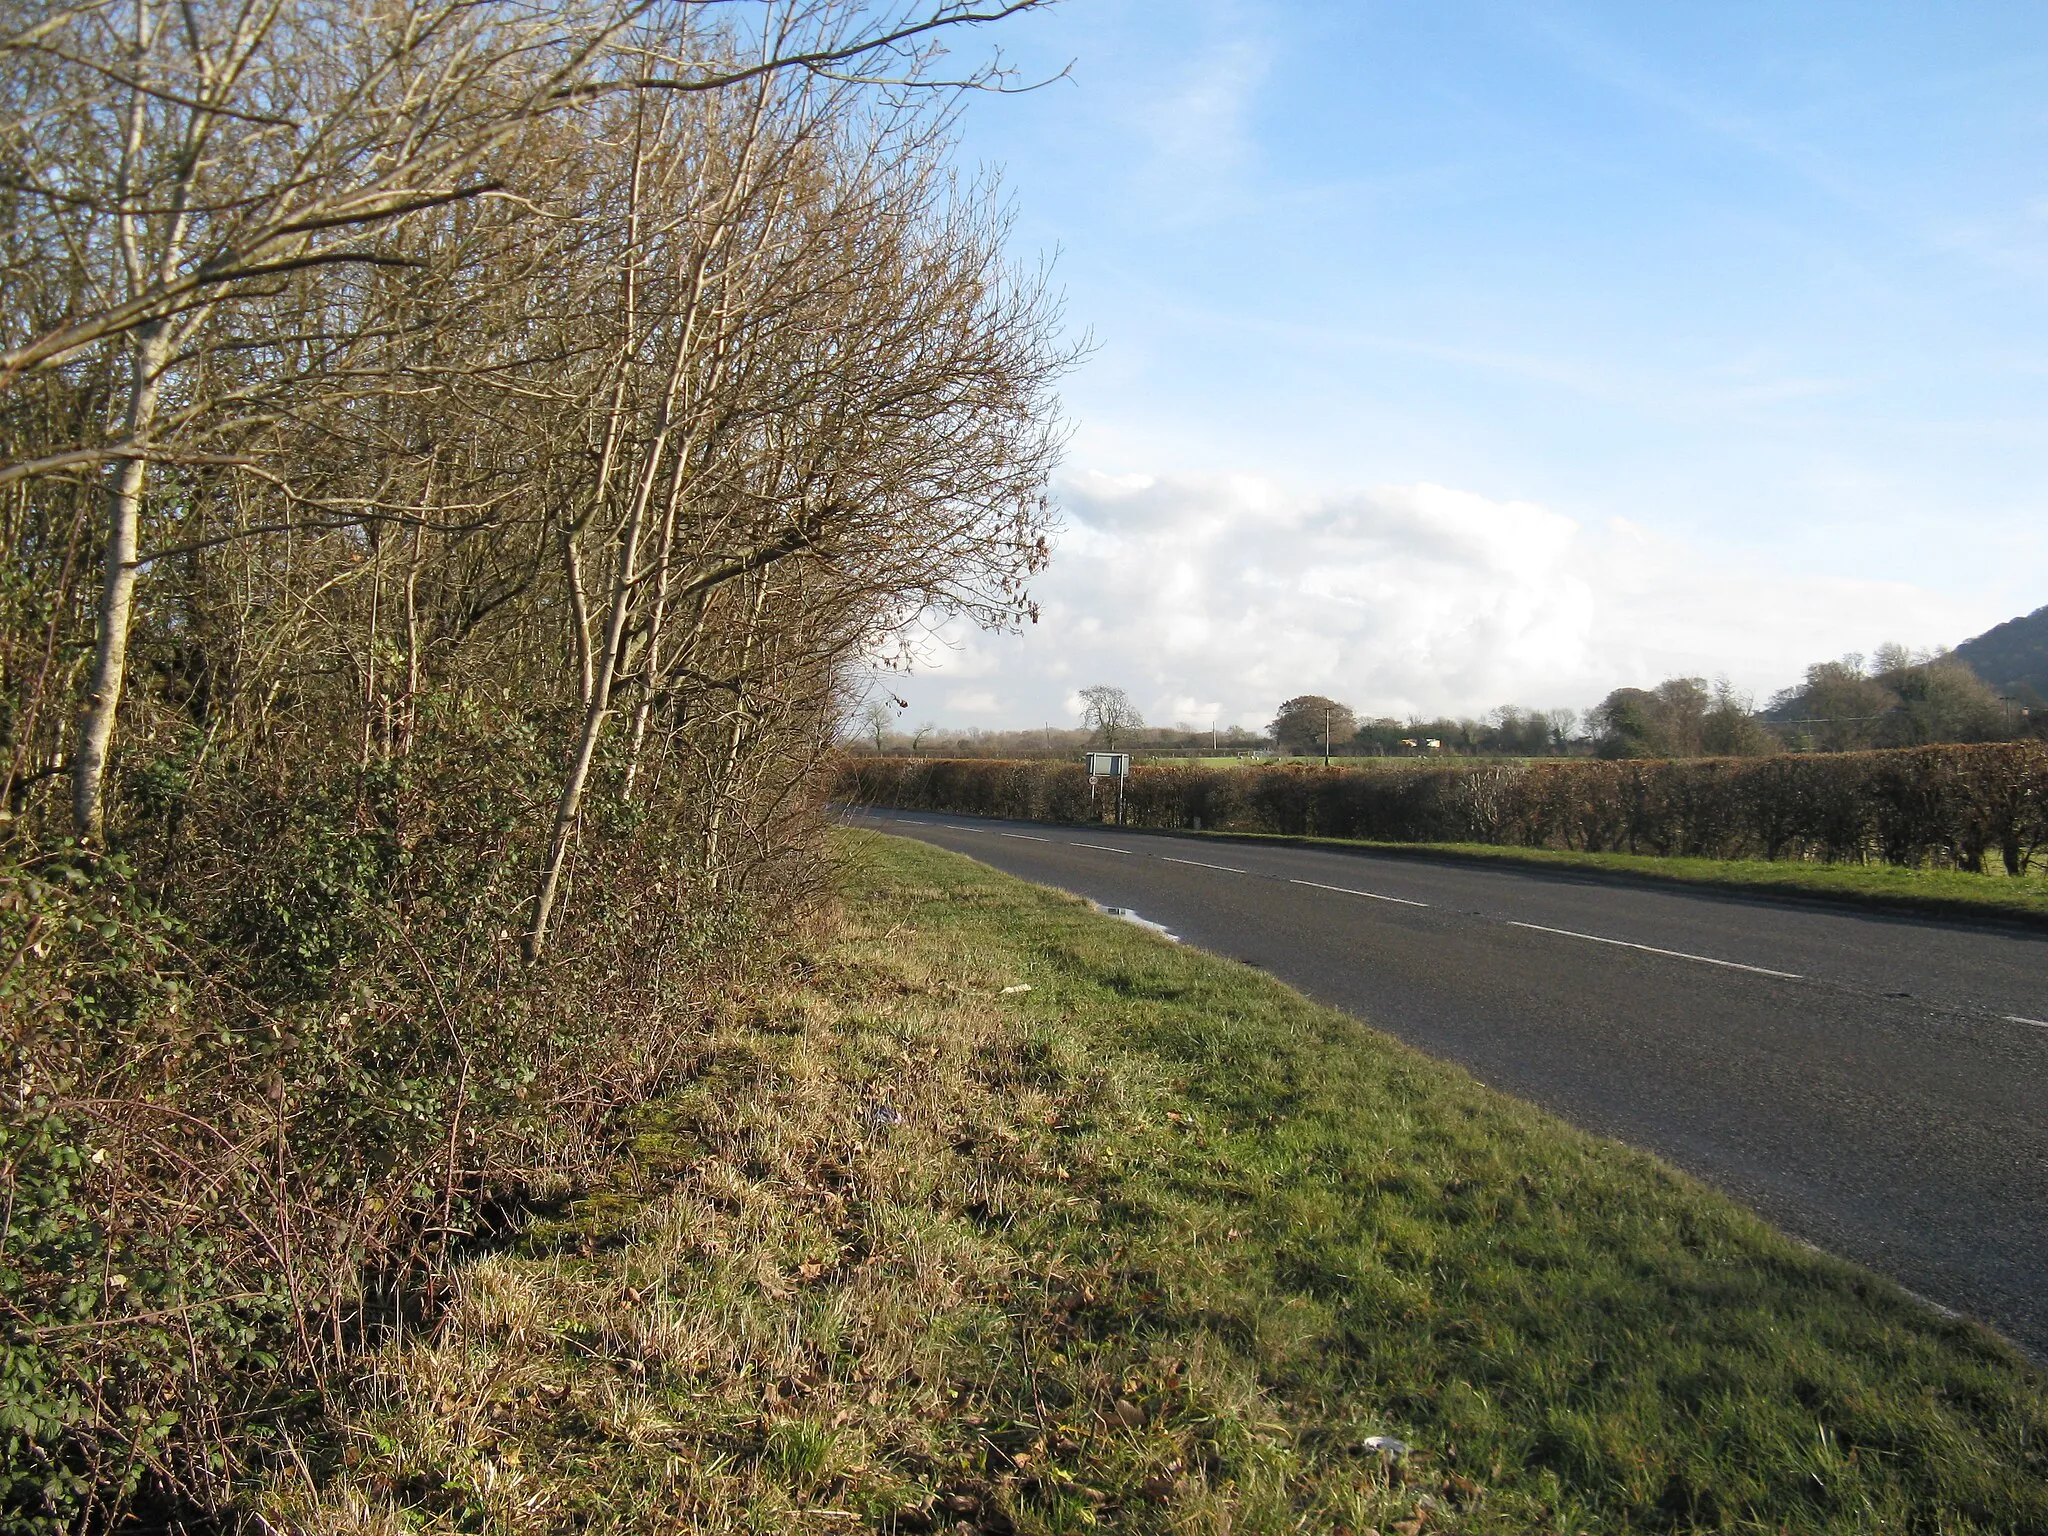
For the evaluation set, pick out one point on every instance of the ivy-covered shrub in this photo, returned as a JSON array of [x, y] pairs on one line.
[[267, 1063]]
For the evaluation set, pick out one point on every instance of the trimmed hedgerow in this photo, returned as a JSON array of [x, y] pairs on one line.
[[1945, 806]]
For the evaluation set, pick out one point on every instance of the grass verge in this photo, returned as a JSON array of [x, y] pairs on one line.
[[1939, 892], [1154, 1245]]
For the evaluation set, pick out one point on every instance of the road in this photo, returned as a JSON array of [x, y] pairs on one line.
[[1874, 1084]]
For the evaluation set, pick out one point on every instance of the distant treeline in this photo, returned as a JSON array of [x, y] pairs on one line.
[[1895, 698], [1947, 806], [1051, 741]]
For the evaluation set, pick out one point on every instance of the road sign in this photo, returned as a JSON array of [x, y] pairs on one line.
[[1109, 765]]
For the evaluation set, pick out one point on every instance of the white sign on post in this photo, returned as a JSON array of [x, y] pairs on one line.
[[1109, 765]]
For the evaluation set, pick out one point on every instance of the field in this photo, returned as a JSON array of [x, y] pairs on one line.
[[996, 1214]]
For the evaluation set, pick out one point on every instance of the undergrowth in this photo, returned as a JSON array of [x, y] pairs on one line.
[[992, 1214], [258, 1080]]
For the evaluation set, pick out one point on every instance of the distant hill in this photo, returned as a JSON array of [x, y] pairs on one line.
[[2012, 657]]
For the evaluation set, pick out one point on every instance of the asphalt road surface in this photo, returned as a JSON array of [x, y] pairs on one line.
[[1874, 1084]]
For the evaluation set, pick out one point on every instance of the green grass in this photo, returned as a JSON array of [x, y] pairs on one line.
[[1155, 1245], [1941, 891], [1231, 760]]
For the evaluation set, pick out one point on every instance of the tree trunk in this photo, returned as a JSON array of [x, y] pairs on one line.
[[117, 592], [663, 570], [594, 714], [598, 707]]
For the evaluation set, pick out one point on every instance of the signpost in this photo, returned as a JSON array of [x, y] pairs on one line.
[[1109, 765]]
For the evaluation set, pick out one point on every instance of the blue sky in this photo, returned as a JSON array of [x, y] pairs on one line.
[[1471, 354]]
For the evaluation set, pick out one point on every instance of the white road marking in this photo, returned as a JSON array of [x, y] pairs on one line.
[[1200, 865], [2014, 1018], [1675, 954], [950, 827], [1102, 848], [1024, 837], [1347, 891]]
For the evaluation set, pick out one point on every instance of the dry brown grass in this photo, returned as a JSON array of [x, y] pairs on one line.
[[784, 1314], [1155, 1246]]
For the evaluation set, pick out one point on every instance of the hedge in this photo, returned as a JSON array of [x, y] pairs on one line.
[[1945, 806]]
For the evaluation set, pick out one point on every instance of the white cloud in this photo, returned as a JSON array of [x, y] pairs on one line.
[[1199, 117], [1212, 599], [1183, 108]]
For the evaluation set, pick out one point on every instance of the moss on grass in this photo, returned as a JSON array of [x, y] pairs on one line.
[[1155, 1245]]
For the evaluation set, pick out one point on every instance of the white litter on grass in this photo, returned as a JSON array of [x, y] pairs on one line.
[[1143, 922], [1387, 1445], [1022, 986]]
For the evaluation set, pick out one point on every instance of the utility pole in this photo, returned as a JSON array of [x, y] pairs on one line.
[[1326, 736]]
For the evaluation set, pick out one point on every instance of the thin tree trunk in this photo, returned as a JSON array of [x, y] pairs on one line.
[[411, 710], [713, 255], [730, 767], [624, 580], [370, 650], [117, 593], [599, 707], [651, 672], [579, 619]]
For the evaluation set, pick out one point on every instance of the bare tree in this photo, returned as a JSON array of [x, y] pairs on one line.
[[454, 458], [193, 157], [183, 164], [1563, 727], [1109, 712], [837, 420], [877, 718]]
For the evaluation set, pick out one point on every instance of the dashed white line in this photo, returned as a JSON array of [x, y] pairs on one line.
[[2014, 1018], [1024, 837], [1200, 865], [1651, 949], [1122, 853], [1348, 891]]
